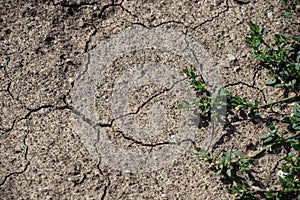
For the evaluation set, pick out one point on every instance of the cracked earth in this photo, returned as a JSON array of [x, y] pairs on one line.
[[42, 47]]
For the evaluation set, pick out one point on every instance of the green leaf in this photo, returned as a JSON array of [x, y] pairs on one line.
[[297, 67], [295, 106], [291, 154], [221, 161], [269, 139], [257, 42], [277, 196], [270, 82], [266, 49], [271, 183], [295, 126], [263, 31], [228, 156], [296, 147], [285, 37], [228, 172], [274, 131], [298, 59], [237, 153], [288, 16], [256, 102], [250, 105], [199, 86], [279, 86], [296, 38], [282, 181], [219, 172], [245, 184], [264, 136], [239, 99], [269, 195], [247, 170]]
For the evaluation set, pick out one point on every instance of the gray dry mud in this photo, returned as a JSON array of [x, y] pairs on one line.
[[42, 46]]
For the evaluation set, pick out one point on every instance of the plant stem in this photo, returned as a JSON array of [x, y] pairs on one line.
[[281, 101]]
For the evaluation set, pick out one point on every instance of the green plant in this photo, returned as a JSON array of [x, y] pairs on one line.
[[206, 100], [227, 163], [290, 8], [281, 57], [293, 119]]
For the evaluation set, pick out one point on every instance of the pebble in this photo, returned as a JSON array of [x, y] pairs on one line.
[[231, 57], [270, 15], [127, 171], [71, 80]]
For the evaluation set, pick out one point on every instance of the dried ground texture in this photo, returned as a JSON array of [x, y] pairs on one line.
[[42, 49]]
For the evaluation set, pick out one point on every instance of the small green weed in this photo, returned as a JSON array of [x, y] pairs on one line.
[[226, 163], [205, 102], [290, 8], [281, 57]]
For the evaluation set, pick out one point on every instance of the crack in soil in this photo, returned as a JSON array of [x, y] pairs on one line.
[[34, 110], [90, 38], [182, 23], [86, 49], [106, 187], [14, 173], [135, 141], [26, 117], [10, 80], [160, 24], [248, 85], [25, 156], [100, 15], [75, 5], [213, 17], [110, 124], [102, 10]]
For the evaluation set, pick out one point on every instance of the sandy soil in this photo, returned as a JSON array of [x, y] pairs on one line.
[[44, 47]]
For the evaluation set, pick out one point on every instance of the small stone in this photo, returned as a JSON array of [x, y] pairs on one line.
[[298, 8], [270, 15], [71, 80], [237, 68], [292, 94], [173, 138], [231, 57], [244, 55], [163, 195], [127, 171]]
